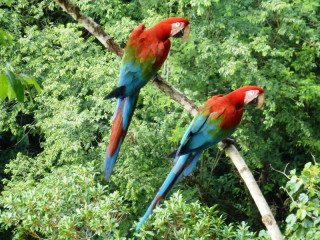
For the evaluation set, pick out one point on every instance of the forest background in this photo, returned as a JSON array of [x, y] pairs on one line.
[[53, 142]]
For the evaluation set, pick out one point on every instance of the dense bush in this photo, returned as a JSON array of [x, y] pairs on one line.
[[67, 204], [179, 220], [304, 194]]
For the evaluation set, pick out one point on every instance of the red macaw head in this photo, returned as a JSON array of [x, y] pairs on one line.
[[247, 95], [172, 27]]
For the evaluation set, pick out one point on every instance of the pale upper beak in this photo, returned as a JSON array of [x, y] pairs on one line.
[[181, 31], [186, 32], [260, 100]]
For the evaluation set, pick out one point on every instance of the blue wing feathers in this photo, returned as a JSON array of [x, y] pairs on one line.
[[116, 93], [131, 77], [186, 134], [198, 123], [194, 127]]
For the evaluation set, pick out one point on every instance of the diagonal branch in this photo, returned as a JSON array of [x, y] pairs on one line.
[[94, 28], [97, 31]]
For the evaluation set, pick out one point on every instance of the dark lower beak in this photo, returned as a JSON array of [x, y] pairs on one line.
[[258, 101], [179, 34], [183, 33]]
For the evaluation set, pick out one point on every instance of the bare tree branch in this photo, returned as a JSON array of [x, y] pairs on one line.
[[175, 94], [264, 209], [97, 31], [94, 28]]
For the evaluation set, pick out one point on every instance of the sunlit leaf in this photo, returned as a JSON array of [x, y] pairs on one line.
[[5, 38], [31, 81], [3, 86], [16, 85]]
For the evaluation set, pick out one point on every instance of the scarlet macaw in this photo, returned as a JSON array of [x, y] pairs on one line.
[[144, 54], [215, 121]]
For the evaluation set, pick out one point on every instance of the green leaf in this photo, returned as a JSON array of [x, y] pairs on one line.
[[291, 219], [16, 85], [31, 81], [3, 86], [307, 223], [301, 214], [303, 198], [5, 38], [293, 205], [11, 92], [317, 220], [307, 165], [312, 192], [9, 2], [293, 186]]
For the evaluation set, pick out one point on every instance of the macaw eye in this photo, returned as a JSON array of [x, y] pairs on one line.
[[177, 24]]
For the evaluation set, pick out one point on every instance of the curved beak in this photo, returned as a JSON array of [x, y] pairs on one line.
[[260, 100], [186, 32]]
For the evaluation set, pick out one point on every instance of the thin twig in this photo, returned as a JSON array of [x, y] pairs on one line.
[[287, 193], [283, 173], [314, 159], [218, 156], [285, 168], [25, 134]]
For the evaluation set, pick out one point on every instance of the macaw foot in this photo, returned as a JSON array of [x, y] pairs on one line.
[[155, 76], [228, 142]]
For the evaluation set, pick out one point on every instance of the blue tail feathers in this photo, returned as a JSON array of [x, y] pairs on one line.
[[110, 161], [122, 118], [183, 166]]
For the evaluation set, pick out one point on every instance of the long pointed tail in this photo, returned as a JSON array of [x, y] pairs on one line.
[[122, 118], [183, 166]]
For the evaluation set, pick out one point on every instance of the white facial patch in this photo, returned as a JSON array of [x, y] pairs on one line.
[[176, 27], [250, 95]]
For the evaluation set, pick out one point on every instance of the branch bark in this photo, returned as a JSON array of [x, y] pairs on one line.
[[97, 31], [94, 28], [264, 209]]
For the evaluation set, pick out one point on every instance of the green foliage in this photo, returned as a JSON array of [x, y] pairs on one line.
[[180, 220], [12, 85], [304, 193], [274, 44], [67, 204], [5, 38]]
